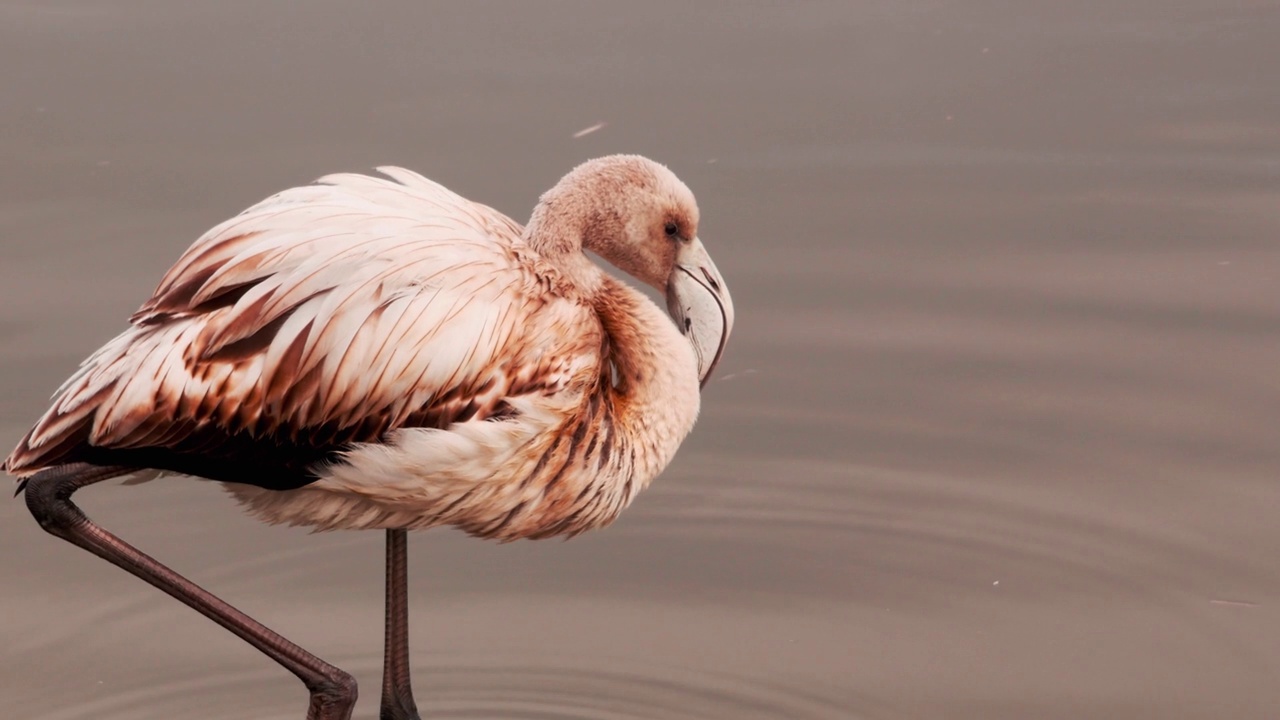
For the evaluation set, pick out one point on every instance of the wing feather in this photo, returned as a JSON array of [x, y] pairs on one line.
[[331, 313]]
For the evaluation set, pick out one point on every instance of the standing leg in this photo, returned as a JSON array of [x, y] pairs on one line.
[[333, 692], [397, 690]]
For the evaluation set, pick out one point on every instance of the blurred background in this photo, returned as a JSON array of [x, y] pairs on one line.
[[995, 437]]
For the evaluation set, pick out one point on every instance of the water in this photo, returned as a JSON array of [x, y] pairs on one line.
[[995, 436]]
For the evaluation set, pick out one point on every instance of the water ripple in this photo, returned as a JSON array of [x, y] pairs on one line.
[[951, 530], [496, 690]]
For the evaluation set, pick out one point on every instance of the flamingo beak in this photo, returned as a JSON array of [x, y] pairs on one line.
[[699, 302]]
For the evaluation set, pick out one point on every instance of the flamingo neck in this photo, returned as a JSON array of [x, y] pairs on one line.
[[655, 396], [579, 213], [654, 399]]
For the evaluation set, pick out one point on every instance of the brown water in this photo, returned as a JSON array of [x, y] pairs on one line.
[[996, 436]]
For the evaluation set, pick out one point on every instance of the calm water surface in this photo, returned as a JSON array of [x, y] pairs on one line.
[[996, 436]]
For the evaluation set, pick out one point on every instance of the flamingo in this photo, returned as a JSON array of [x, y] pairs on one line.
[[380, 353]]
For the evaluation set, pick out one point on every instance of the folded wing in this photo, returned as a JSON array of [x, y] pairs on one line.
[[324, 315]]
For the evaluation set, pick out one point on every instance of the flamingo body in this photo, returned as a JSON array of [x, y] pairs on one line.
[[373, 352], [381, 353]]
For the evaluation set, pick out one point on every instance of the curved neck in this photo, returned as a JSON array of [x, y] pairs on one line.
[[655, 398], [573, 216]]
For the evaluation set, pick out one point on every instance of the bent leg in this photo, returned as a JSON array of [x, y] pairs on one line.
[[333, 692]]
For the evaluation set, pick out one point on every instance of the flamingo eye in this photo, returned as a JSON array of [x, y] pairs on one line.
[[671, 229]]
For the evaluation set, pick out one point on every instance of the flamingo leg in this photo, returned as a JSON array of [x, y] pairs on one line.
[[397, 690], [48, 494]]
